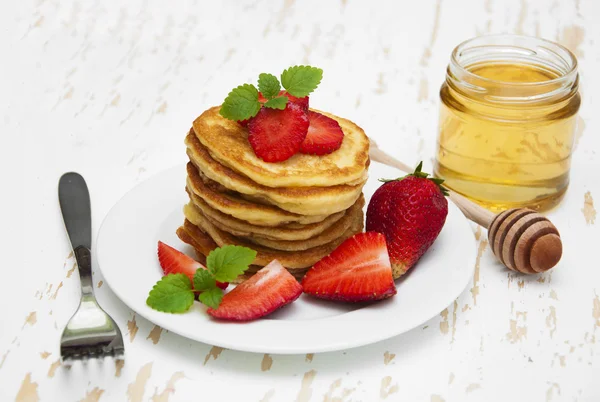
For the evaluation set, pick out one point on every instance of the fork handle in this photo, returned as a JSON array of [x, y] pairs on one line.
[[74, 199]]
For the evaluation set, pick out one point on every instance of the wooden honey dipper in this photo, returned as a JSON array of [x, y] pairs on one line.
[[522, 239]]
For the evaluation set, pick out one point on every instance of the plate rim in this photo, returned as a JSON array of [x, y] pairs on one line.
[[341, 344]]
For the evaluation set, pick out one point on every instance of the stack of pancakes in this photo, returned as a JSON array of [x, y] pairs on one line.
[[296, 211]]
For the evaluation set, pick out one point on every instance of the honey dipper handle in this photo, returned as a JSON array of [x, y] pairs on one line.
[[472, 211], [380, 156]]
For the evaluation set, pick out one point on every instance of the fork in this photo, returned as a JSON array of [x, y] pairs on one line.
[[91, 332]]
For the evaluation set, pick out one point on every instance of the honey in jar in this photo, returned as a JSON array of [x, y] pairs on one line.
[[507, 121]]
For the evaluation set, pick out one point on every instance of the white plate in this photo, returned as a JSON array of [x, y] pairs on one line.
[[152, 211]]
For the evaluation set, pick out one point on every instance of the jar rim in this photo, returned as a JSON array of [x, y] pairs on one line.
[[569, 62]]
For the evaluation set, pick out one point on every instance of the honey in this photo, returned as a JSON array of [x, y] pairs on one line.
[[507, 121]]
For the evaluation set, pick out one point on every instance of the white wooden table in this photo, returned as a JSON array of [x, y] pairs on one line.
[[109, 89]]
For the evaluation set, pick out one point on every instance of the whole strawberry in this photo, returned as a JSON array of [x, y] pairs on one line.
[[410, 212]]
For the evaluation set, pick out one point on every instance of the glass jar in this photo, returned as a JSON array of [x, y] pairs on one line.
[[507, 121]]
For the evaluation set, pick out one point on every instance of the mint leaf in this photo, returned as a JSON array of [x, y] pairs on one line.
[[300, 81], [277, 103], [172, 294], [241, 103], [228, 262], [203, 280], [212, 298], [268, 85]]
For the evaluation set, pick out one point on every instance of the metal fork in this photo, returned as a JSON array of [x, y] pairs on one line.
[[90, 333]]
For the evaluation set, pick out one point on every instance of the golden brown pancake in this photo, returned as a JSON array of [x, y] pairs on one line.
[[297, 211], [297, 273], [353, 215], [231, 204], [290, 259], [203, 245], [228, 145], [237, 227], [299, 200], [193, 236]]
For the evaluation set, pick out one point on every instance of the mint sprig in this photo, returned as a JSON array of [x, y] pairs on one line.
[[174, 293], [277, 103], [211, 298], [242, 103], [300, 81], [229, 262], [204, 280], [268, 85]]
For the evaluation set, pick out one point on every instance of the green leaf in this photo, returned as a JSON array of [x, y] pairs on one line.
[[418, 172], [419, 167], [211, 298], [241, 103], [203, 280], [277, 103], [172, 294], [268, 85], [228, 262], [300, 81]]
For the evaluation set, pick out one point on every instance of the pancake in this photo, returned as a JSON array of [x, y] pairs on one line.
[[299, 200], [290, 259], [291, 231], [228, 144], [298, 274], [203, 245], [201, 242], [231, 204], [353, 215]]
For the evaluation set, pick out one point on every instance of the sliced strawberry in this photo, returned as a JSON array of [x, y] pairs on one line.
[[302, 102], [276, 135], [269, 289], [173, 261], [358, 270], [324, 135]]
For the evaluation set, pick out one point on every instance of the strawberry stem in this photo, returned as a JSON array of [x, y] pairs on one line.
[[419, 173]]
